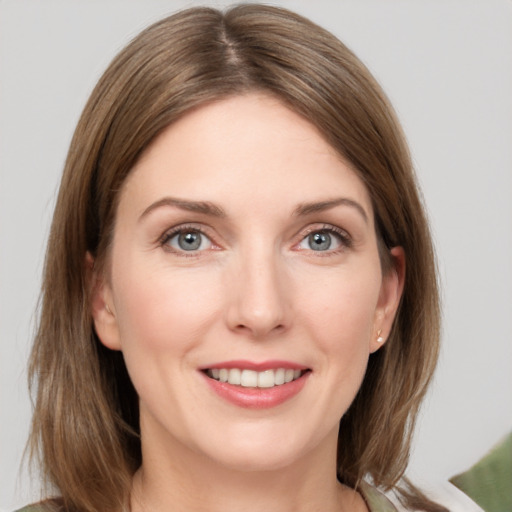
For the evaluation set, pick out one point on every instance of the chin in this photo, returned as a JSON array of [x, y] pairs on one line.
[[257, 462], [262, 453]]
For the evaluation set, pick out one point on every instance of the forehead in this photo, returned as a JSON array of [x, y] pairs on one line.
[[244, 151]]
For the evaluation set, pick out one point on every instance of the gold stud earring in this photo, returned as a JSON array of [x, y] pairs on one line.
[[380, 339]]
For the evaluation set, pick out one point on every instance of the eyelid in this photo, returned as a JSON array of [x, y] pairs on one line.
[[181, 228], [343, 235]]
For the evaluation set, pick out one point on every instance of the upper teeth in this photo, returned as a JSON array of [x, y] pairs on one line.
[[253, 379]]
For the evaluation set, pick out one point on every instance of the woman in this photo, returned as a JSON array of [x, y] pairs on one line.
[[240, 305]]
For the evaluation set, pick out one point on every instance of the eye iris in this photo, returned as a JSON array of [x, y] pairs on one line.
[[319, 241], [189, 241]]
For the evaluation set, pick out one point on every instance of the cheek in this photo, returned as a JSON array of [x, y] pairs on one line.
[[342, 304], [159, 309], [163, 316], [339, 313]]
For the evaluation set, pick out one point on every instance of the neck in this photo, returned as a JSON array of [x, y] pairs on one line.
[[189, 481]]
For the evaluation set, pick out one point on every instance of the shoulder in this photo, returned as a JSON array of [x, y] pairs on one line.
[[375, 500], [488, 481], [43, 506], [33, 508]]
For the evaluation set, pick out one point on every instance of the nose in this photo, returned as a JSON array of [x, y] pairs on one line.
[[258, 305]]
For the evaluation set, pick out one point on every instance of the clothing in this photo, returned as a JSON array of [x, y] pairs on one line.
[[375, 500], [32, 508], [488, 482]]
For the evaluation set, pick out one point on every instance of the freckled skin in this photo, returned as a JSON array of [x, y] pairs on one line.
[[256, 290]]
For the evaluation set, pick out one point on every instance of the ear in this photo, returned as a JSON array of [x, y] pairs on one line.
[[102, 306], [389, 298]]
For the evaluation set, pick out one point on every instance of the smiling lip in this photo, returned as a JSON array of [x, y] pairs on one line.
[[256, 385]]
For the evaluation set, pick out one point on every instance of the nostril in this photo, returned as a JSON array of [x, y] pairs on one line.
[[259, 331]]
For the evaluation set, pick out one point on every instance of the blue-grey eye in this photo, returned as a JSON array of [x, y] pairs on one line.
[[189, 240], [319, 241], [322, 240]]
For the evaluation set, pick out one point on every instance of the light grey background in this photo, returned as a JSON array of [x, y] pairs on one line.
[[447, 67]]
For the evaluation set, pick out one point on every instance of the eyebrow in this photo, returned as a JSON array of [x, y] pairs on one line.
[[208, 208], [320, 206], [204, 207]]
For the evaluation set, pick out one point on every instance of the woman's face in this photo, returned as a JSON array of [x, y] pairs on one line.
[[244, 249]]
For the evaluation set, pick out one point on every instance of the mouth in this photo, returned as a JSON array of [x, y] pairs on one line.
[[256, 385], [246, 378]]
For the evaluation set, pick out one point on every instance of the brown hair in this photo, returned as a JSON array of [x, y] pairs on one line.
[[85, 425]]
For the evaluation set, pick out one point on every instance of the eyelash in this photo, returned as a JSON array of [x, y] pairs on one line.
[[343, 237], [183, 228]]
